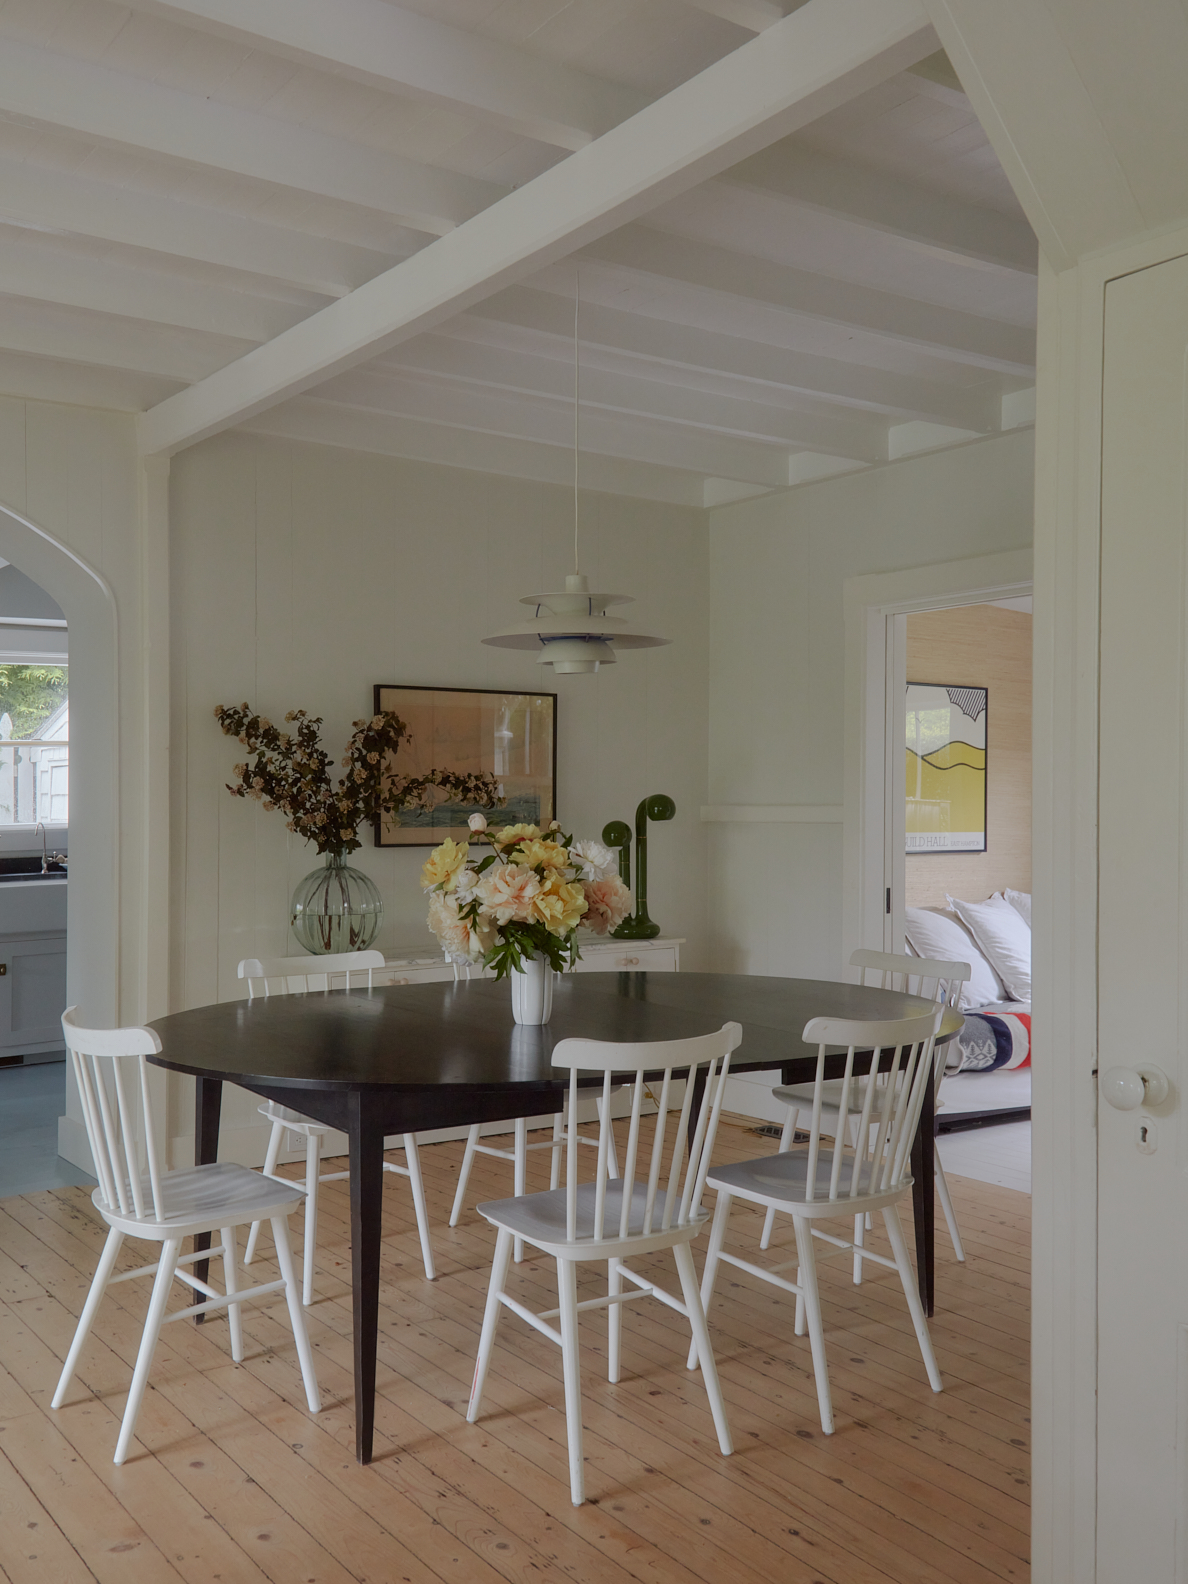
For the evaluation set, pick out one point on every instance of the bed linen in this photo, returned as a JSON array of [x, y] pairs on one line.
[[995, 1038]]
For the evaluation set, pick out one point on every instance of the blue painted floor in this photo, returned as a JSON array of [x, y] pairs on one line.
[[31, 1101]]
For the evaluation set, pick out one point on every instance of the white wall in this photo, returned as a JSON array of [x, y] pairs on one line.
[[777, 569], [302, 575]]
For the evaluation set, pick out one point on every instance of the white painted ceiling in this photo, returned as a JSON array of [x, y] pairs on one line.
[[183, 180]]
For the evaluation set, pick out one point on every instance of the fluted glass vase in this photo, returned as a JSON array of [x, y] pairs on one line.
[[336, 908]]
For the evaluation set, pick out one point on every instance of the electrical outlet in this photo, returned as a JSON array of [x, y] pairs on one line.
[[293, 1141]]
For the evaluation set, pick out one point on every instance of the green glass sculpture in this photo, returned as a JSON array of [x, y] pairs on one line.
[[618, 835]]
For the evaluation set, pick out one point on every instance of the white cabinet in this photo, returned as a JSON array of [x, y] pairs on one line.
[[599, 955], [32, 996]]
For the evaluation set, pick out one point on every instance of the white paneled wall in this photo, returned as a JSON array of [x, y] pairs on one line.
[[304, 574]]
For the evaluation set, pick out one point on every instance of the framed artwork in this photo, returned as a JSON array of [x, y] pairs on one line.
[[946, 769], [512, 735]]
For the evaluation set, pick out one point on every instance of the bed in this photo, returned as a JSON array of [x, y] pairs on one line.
[[988, 1078]]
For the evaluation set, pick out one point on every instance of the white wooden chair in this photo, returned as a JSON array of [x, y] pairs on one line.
[[615, 1218], [138, 1199], [304, 975], [519, 1152], [929, 978], [851, 1173]]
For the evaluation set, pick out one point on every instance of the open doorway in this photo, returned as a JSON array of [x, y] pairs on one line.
[[34, 868]]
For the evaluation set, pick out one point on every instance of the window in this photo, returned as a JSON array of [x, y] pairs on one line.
[[34, 745]]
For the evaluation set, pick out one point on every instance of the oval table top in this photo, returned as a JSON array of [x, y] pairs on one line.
[[418, 1037]]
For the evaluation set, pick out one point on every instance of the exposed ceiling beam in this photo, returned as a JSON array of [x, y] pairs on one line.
[[369, 41], [629, 435], [942, 332], [309, 420], [532, 317], [871, 198], [814, 60], [857, 435], [131, 112], [48, 274], [754, 15], [45, 198]]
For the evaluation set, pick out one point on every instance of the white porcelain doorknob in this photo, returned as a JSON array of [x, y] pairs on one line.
[[1127, 1088]]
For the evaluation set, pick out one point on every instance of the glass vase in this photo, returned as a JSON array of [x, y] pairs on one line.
[[336, 909], [532, 991]]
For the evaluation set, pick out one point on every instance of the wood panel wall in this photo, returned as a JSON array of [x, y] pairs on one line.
[[981, 646]]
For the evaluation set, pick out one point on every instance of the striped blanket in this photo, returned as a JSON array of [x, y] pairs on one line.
[[991, 1041]]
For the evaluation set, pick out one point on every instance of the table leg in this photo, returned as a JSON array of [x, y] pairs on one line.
[[924, 1198], [367, 1189], [208, 1105]]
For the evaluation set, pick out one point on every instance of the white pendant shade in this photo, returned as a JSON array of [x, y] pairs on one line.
[[572, 630]]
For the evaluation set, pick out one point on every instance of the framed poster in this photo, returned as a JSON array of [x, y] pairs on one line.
[[946, 769], [511, 735]]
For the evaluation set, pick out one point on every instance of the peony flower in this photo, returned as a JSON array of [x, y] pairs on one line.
[[506, 893], [464, 886], [440, 869], [511, 833], [593, 861], [558, 905], [460, 937], [539, 855], [477, 823], [609, 903]]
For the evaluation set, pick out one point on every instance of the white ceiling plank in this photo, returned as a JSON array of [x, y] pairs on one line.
[[942, 332], [687, 352], [636, 438], [754, 15], [881, 202], [102, 340], [386, 47], [634, 394], [40, 378], [45, 198], [131, 112], [48, 274], [814, 60], [310, 420]]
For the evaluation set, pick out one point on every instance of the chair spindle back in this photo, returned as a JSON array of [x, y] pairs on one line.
[[705, 1057], [109, 1066], [926, 977], [300, 975]]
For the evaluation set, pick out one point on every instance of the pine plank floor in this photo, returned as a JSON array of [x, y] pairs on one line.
[[233, 1480]]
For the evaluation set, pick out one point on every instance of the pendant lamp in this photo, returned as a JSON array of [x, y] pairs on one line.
[[570, 626]]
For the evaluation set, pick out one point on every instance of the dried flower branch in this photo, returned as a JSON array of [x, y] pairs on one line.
[[291, 772]]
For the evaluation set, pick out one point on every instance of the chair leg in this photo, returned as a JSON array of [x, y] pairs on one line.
[[111, 1250], [942, 1188], [567, 1293], [786, 1138], [503, 1248], [271, 1157], [859, 1240], [807, 1281], [911, 1292], [710, 1274], [614, 1322], [284, 1255], [472, 1139], [230, 1285], [701, 1343], [418, 1193], [313, 1167], [163, 1281], [558, 1135], [520, 1171]]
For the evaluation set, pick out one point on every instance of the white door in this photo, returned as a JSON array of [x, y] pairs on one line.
[[1143, 932]]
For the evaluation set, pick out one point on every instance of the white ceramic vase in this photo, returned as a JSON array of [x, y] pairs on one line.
[[532, 991]]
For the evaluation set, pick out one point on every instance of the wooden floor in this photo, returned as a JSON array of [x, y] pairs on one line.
[[233, 1480]]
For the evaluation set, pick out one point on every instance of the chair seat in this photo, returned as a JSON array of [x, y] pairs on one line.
[[785, 1177], [292, 1119], [801, 1095], [221, 1194], [540, 1217]]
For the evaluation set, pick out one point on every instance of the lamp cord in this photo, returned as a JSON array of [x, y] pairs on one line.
[[577, 298]]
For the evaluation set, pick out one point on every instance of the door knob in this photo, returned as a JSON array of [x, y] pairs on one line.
[[1127, 1088]]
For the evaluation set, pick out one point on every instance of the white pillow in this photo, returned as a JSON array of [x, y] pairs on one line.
[[1021, 902], [1005, 939], [943, 935]]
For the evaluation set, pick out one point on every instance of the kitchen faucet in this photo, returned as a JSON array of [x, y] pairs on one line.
[[46, 859]]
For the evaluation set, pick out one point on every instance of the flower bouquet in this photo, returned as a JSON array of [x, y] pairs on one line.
[[518, 909]]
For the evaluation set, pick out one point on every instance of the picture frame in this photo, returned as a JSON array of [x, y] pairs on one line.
[[511, 735], [946, 763]]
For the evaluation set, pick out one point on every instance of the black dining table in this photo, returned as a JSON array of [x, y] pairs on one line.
[[408, 1058]]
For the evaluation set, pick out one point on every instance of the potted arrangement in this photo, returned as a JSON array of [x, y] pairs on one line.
[[518, 909], [337, 908]]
